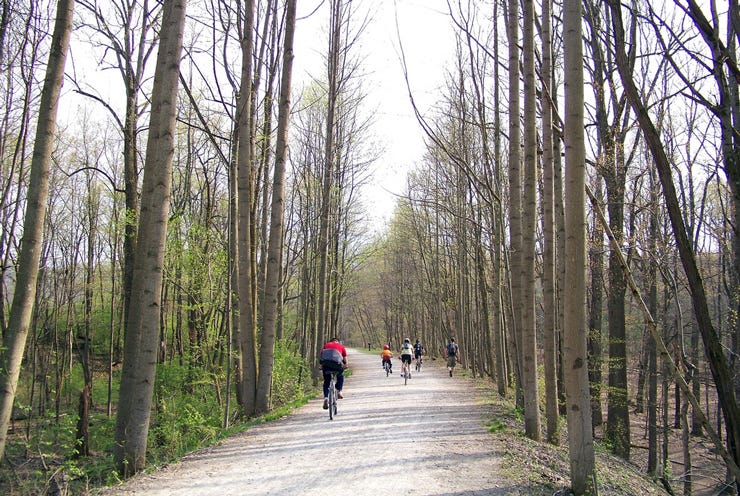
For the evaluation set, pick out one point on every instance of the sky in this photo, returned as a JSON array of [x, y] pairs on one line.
[[428, 42], [427, 38]]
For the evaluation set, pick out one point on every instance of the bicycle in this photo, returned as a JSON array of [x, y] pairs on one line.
[[387, 367], [418, 364], [406, 372], [333, 395]]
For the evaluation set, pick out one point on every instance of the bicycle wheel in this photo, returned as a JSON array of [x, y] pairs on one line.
[[418, 365], [387, 369], [333, 397], [406, 375]]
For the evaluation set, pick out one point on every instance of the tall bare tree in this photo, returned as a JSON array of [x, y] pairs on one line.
[[247, 333], [575, 333], [334, 67], [277, 220], [548, 229], [38, 190], [142, 334], [515, 202], [612, 165], [528, 330], [712, 345]]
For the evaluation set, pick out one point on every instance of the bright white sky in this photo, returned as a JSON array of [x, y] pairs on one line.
[[428, 42]]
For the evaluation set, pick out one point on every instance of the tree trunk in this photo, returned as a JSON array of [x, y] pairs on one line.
[[575, 334], [548, 222], [277, 214], [496, 236], [595, 314], [515, 195], [142, 335], [24, 296], [82, 437], [652, 359], [247, 335], [529, 353], [322, 307]]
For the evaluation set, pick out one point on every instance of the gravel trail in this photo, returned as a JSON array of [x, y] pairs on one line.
[[424, 438]]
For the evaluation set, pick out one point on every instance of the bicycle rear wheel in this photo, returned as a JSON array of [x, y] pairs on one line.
[[333, 397]]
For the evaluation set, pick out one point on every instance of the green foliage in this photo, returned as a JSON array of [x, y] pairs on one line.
[[188, 411], [187, 414], [495, 425], [291, 376]]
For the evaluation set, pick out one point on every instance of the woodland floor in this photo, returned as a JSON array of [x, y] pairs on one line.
[[435, 436]]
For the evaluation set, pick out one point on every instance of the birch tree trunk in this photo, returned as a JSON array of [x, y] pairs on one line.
[[277, 215], [575, 356], [24, 296], [142, 333]]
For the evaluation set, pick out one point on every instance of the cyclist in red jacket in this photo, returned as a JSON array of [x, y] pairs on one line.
[[333, 359]]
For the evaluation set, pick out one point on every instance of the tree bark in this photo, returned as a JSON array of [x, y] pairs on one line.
[[548, 222], [532, 427], [142, 335], [515, 202], [247, 335], [575, 356], [595, 315], [277, 214]]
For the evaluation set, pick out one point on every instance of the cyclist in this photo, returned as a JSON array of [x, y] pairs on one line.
[[418, 351], [451, 353], [406, 353], [385, 356], [333, 359]]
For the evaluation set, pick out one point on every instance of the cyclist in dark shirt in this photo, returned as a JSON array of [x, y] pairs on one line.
[[418, 351], [451, 353]]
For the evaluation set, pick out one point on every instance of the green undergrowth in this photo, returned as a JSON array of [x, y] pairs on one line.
[[188, 411]]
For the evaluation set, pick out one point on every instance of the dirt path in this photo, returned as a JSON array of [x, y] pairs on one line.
[[425, 438]]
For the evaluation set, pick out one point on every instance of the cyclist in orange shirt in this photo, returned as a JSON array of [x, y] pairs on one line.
[[385, 356]]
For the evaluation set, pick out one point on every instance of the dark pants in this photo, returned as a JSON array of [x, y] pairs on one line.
[[327, 380]]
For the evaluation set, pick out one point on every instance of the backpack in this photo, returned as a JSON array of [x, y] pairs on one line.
[[451, 349], [331, 359]]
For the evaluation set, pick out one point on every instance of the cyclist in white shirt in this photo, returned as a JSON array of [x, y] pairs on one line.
[[407, 352]]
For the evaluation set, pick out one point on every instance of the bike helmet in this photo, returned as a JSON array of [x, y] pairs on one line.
[[417, 340], [385, 347], [407, 340]]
